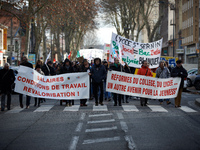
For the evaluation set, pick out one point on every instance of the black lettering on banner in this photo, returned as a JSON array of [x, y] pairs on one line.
[[116, 38], [151, 61], [152, 45]]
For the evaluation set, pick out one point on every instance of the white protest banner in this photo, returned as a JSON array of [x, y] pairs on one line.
[[142, 86], [133, 53], [65, 86]]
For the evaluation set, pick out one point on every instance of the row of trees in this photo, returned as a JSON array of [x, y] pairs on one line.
[[129, 16], [69, 17]]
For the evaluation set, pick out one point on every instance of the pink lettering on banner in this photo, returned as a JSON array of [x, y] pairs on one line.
[[127, 50]]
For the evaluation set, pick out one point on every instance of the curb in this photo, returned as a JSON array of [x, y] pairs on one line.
[[197, 102]]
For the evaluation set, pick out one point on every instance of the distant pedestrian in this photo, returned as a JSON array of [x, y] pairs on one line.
[[7, 78], [163, 72], [145, 71], [179, 71], [98, 74], [28, 98], [117, 67]]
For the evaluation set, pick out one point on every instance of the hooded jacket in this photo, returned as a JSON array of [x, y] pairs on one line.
[[98, 72], [145, 71], [65, 68]]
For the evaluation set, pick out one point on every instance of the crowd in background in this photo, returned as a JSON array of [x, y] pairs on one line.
[[97, 70]]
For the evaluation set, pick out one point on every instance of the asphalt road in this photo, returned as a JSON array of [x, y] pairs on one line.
[[55, 127]]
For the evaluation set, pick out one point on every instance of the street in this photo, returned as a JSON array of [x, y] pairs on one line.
[[130, 126]]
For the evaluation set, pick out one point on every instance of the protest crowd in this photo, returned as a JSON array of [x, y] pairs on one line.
[[97, 71]]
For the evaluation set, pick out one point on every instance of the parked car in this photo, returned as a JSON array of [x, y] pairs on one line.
[[192, 73], [197, 82]]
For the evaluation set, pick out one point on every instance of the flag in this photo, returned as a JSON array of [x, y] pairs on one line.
[[69, 55], [49, 55], [78, 54]]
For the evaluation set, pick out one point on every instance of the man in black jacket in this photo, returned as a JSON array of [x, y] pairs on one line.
[[117, 67], [98, 73], [7, 78], [179, 71], [48, 69], [28, 98]]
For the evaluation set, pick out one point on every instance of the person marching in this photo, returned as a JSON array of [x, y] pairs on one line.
[[98, 74], [163, 72], [117, 67], [179, 71], [67, 68], [85, 67], [7, 78], [145, 71], [28, 98]]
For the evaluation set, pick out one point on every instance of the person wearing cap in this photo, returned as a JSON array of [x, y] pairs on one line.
[[7, 78], [179, 71], [28, 98]]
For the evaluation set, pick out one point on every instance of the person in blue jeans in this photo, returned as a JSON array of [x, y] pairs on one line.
[[163, 72], [106, 94]]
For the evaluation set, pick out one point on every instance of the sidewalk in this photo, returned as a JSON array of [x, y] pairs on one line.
[[194, 91]]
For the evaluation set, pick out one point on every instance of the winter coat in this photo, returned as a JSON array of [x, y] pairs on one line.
[[179, 72], [119, 67], [162, 73], [98, 72], [7, 78], [65, 68], [145, 71], [48, 71], [27, 64]]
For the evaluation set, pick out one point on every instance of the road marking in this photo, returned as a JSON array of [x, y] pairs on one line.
[[156, 108], [120, 116], [100, 115], [44, 108], [124, 126], [91, 141], [72, 108], [130, 108], [100, 129], [79, 127], [73, 143], [131, 143], [15, 110], [187, 109], [82, 116], [100, 108], [101, 121]]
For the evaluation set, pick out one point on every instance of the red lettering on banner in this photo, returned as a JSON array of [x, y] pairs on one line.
[[159, 84], [121, 78], [76, 85], [168, 92], [25, 88], [156, 52], [132, 89], [147, 91], [110, 85], [155, 92], [120, 87], [147, 82], [135, 80], [131, 51], [168, 83], [19, 78]]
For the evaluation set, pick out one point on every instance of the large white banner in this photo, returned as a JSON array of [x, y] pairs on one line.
[[133, 53], [142, 86], [65, 86]]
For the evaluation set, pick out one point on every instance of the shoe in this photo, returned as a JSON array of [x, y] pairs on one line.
[[179, 105], [21, 105], [120, 104], [145, 104], [105, 99], [2, 109], [161, 103], [38, 105], [115, 104], [127, 101], [101, 104], [168, 103], [81, 105], [141, 104], [27, 107], [176, 106], [67, 105], [96, 104], [109, 99], [84, 104], [91, 98], [70, 105], [35, 105], [123, 101], [8, 108]]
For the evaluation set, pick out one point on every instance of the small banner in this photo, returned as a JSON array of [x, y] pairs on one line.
[[65, 86], [133, 53], [142, 86]]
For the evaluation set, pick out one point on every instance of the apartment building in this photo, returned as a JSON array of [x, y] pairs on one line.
[[187, 30]]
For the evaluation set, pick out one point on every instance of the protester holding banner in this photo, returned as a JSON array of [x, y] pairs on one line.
[[7, 78], [98, 73], [48, 69], [85, 67], [163, 72], [117, 67], [67, 68], [106, 94], [145, 71], [179, 71], [28, 98]]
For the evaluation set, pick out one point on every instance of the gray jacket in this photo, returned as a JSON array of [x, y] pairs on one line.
[[165, 73]]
